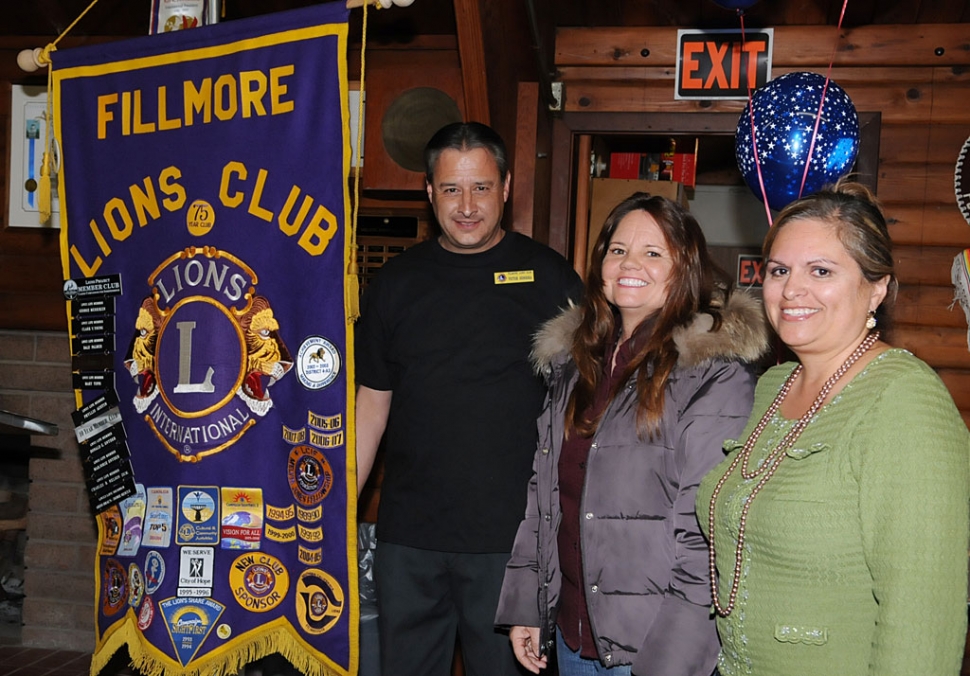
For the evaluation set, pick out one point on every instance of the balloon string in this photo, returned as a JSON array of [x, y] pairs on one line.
[[754, 142], [821, 103]]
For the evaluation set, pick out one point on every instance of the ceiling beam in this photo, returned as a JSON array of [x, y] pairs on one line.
[[471, 52]]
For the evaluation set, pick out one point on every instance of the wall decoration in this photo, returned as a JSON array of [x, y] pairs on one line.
[[28, 135], [960, 271], [205, 248]]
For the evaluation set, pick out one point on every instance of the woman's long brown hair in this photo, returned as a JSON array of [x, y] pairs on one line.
[[690, 289]]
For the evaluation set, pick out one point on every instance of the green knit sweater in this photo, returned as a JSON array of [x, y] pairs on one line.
[[855, 558]]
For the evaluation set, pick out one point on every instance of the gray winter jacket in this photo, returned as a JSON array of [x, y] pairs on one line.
[[645, 562]]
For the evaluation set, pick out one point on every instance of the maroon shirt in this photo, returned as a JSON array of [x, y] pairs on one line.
[[573, 618]]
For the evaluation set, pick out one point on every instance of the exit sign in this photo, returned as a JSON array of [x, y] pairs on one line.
[[718, 64], [751, 271]]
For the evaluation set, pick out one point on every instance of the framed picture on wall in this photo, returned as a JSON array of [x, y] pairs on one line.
[[28, 136]]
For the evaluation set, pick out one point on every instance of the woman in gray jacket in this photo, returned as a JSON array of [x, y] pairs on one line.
[[647, 378]]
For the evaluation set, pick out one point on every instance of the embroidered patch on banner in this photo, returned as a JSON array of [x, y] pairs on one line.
[[110, 530], [259, 582], [242, 518], [310, 515], [312, 535], [189, 622], [309, 557], [319, 601], [133, 516], [136, 585], [198, 515], [515, 277], [197, 412], [114, 586], [158, 522], [309, 474], [196, 571], [154, 572], [324, 422], [280, 513], [146, 613], [280, 534], [317, 363]]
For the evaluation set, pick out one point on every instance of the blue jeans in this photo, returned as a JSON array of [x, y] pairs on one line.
[[571, 664]]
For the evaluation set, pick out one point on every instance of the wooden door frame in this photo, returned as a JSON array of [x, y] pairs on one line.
[[570, 126]]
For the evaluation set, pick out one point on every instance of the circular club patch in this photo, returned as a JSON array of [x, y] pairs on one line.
[[310, 475], [319, 601], [154, 572], [223, 631], [318, 363], [114, 586], [146, 614], [136, 585], [200, 218], [258, 581]]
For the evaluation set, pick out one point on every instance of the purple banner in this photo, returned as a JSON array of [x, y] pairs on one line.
[[203, 193]]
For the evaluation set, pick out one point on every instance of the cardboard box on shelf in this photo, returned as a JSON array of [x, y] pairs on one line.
[[606, 193]]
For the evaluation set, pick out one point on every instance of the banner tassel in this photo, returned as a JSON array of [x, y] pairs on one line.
[[352, 287], [44, 200]]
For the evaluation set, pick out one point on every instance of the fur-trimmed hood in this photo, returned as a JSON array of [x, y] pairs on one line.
[[743, 336]]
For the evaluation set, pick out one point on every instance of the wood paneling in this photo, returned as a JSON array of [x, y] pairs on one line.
[[932, 225], [922, 143], [795, 45], [924, 265], [940, 347], [923, 304]]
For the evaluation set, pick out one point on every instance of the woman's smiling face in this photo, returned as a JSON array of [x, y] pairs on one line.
[[815, 294], [637, 269]]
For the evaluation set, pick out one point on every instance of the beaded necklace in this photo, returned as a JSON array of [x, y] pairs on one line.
[[770, 464]]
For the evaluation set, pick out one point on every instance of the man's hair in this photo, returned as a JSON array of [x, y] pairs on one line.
[[465, 136]]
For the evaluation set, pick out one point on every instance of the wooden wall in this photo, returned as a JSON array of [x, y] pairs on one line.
[[917, 77]]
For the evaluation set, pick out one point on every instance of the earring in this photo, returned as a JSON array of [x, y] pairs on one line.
[[871, 320]]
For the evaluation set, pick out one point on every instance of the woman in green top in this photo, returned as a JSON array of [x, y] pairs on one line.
[[838, 524]]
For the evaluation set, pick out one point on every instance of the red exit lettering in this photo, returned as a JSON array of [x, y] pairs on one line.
[[750, 271], [723, 62]]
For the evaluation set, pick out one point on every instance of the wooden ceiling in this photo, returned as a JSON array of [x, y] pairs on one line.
[[437, 17]]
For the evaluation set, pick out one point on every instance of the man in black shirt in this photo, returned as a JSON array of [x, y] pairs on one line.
[[443, 374]]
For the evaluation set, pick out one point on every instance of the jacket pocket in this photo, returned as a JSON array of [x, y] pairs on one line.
[[790, 633]]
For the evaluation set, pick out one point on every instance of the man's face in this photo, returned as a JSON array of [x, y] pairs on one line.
[[468, 198]]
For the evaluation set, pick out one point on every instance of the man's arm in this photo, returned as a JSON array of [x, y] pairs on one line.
[[373, 407]]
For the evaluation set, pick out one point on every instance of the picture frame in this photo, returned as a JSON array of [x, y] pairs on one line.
[[28, 135]]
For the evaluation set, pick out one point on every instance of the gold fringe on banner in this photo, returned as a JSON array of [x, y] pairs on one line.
[[147, 661]]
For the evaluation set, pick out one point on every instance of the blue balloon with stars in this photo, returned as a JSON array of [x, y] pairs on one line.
[[736, 4], [784, 121]]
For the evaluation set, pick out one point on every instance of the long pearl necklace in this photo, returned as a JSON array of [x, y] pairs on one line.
[[767, 468]]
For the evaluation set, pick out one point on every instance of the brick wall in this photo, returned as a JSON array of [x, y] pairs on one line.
[[58, 610]]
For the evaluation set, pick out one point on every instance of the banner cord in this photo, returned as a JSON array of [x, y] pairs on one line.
[[353, 279], [44, 199]]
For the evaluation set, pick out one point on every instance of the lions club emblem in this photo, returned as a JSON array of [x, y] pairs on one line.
[[205, 352]]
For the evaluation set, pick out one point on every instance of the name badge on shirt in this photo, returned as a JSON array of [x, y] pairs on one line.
[[515, 277]]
